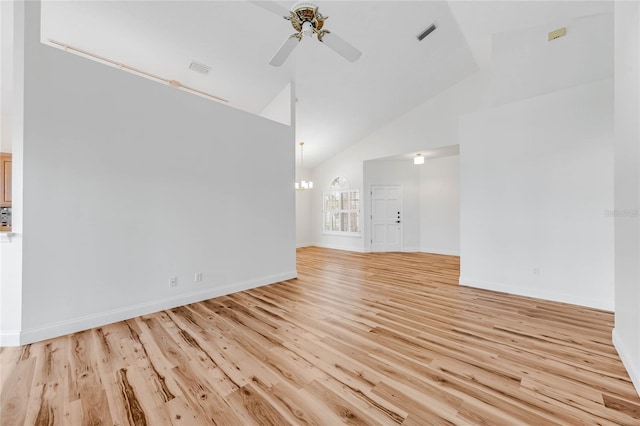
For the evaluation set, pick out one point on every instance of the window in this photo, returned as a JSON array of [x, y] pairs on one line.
[[339, 183], [341, 211]]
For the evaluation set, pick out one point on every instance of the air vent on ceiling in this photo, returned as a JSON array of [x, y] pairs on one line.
[[198, 67], [426, 32]]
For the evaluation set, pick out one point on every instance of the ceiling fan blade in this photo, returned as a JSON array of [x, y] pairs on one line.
[[271, 6], [285, 50], [341, 47]]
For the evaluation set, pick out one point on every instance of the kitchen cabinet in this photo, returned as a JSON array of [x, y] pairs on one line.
[[5, 179]]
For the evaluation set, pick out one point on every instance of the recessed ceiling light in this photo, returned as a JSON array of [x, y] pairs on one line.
[[199, 67]]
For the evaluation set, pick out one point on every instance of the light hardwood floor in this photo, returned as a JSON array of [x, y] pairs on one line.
[[358, 338]]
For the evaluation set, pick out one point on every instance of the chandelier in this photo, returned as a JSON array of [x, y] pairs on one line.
[[302, 184]]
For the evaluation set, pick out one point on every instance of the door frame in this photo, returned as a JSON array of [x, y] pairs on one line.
[[401, 236]]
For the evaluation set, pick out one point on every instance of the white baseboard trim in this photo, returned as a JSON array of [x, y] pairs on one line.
[[632, 366], [84, 323], [447, 252], [303, 245], [538, 294], [10, 338], [344, 248], [410, 250]]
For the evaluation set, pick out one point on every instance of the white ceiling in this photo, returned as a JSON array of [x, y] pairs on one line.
[[338, 102]]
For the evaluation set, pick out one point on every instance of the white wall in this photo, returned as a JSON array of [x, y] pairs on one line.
[[626, 335], [430, 198], [405, 174], [527, 64], [440, 205], [559, 202], [112, 209], [571, 141], [303, 217], [432, 125], [279, 109], [322, 178], [13, 22], [536, 183], [6, 73], [536, 173]]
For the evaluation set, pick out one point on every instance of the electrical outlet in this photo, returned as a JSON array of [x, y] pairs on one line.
[[173, 281], [536, 271], [197, 277]]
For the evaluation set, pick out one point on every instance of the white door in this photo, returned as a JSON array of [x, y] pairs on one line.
[[386, 218]]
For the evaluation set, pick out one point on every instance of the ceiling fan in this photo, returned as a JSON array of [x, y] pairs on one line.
[[306, 20]]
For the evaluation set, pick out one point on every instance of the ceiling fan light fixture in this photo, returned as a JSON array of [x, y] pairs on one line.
[[307, 29], [306, 20], [418, 159]]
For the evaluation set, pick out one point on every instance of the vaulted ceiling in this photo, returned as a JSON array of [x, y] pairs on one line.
[[338, 102]]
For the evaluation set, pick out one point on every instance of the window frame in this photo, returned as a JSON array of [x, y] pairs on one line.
[[338, 193]]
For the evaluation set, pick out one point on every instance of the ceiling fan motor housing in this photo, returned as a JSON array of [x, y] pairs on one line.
[[307, 21], [306, 12]]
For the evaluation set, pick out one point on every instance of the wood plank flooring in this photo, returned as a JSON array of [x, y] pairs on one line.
[[360, 339]]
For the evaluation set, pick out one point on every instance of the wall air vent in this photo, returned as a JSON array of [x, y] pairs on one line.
[[426, 32], [198, 67], [560, 32]]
